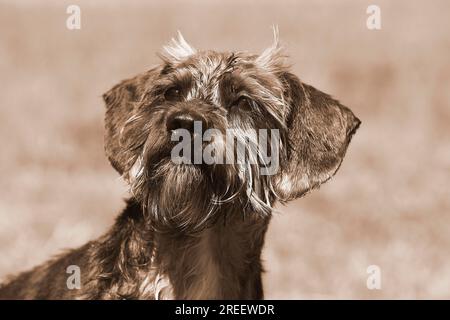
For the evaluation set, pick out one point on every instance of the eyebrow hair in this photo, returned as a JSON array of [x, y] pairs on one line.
[[180, 75]]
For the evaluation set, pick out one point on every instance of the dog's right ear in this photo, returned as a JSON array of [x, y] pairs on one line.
[[122, 103]]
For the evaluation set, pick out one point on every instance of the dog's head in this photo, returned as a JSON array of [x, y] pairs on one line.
[[257, 98]]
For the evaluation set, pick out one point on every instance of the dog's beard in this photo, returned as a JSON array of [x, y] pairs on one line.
[[179, 196], [188, 197], [176, 196]]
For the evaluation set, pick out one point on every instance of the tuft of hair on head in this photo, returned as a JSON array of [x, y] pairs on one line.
[[273, 59], [177, 50]]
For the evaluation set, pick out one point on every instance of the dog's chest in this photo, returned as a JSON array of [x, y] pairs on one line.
[[195, 270]]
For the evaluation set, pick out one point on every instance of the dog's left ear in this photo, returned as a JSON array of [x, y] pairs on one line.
[[121, 105], [320, 129]]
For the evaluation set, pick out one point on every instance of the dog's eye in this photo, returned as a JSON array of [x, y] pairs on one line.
[[243, 103], [173, 93]]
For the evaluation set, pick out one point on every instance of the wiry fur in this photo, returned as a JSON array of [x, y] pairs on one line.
[[197, 231]]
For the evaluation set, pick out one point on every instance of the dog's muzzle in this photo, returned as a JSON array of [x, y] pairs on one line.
[[185, 120]]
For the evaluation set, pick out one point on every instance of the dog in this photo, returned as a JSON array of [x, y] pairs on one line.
[[196, 230]]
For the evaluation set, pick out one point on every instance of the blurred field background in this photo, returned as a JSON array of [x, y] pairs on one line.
[[389, 204]]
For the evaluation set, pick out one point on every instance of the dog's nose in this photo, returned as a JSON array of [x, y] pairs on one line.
[[184, 120]]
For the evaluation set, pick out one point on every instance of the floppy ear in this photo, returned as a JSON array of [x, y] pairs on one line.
[[320, 129], [122, 103]]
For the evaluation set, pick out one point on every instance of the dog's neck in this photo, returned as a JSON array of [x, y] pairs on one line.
[[220, 262]]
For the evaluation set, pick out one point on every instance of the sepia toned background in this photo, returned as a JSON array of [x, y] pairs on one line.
[[389, 205]]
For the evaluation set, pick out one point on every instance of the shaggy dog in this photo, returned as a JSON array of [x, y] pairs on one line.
[[195, 230]]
